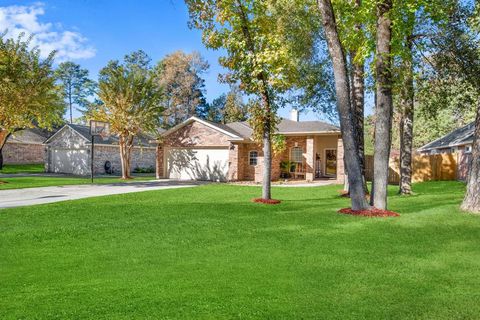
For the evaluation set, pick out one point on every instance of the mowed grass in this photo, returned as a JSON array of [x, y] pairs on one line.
[[37, 181], [209, 253], [22, 168]]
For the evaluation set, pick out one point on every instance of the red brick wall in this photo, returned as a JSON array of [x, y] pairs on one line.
[[196, 134], [22, 153]]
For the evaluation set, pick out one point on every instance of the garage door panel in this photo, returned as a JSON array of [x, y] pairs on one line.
[[70, 161], [197, 164]]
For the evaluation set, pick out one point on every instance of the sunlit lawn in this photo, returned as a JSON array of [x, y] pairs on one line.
[[209, 253], [22, 168]]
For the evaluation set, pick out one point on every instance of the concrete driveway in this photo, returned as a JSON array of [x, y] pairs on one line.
[[31, 196]]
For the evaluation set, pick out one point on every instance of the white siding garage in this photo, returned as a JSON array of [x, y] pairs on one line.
[[208, 164], [70, 161]]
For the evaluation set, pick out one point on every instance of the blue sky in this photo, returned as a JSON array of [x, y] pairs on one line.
[[92, 32]]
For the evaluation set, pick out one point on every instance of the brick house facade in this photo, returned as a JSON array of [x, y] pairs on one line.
[[25, 147], [68, 151], [196, 139]]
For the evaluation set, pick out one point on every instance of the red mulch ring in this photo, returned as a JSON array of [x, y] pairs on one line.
[[265, 201], [372, 212]]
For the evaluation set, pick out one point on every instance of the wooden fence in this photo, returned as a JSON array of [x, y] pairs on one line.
[[451, 166]]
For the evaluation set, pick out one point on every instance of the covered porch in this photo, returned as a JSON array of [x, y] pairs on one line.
[[316, 157], [308, 158]]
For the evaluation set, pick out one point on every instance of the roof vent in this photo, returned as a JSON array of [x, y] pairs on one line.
[[294, 115]]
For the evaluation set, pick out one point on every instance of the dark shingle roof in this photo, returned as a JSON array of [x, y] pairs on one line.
[[84, 131], [463, 135], [289, 126], [30, 135], [225, 127], [286, 127], [241, 128]]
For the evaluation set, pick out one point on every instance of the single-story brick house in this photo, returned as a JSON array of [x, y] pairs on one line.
[[25, 146], [459, 140], [202, 150], [68, 151]]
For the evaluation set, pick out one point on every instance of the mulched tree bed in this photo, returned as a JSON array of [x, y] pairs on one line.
[[372, 212], [265, 201]]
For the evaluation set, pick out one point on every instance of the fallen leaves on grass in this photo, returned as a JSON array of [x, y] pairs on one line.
[[266, 201], [372, 212]]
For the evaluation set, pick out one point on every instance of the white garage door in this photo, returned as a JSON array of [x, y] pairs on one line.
[[197, 164], [70, 161]]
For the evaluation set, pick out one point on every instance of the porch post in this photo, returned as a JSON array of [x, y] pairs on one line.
[[310, 159]]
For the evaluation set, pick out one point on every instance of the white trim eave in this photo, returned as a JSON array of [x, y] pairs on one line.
[[306, 133], [447, 146], [117, 145], [62, 129], [18, 142], [191, 119]]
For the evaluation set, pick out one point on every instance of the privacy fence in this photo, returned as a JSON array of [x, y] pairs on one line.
[[452, 166]]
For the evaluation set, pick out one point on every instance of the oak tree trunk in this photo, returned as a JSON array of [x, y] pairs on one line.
[[267, 125], [471, 202], [406, 123], [358, 94], [4, 134], [158, 164], [125, 155], [342, 88], [384, 105], [267, 150], [358, 99]]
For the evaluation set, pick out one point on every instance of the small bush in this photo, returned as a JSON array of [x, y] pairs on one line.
[[150, 169]]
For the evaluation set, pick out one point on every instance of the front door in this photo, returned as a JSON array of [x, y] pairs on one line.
[[330, 162]]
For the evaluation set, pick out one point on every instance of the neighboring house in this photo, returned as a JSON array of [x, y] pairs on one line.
[[26, 146], [68, 151], [457, 140], [202, 150]]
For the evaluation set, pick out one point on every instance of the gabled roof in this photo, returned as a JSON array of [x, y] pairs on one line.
[[84, 132], [241, 130], [30, 135], [223, 128], [287, 127], [305, 127], [460, 136]]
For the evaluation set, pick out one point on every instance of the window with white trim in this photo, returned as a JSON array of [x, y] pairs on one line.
[[468, 149], [252, 158], [296, 155]]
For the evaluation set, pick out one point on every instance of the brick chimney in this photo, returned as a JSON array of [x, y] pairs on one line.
[[294, 115]]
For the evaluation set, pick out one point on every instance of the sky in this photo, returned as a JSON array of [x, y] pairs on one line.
[[92, 32]]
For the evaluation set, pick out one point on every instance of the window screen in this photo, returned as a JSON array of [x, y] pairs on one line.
[[252, 158], [296, 155]]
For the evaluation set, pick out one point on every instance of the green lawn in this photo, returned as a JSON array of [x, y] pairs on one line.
[[209, 253], [31, 182], [22, 168]]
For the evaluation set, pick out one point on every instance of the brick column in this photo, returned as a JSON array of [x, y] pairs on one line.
[[340, 163], [233, 163], [310, 158]]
